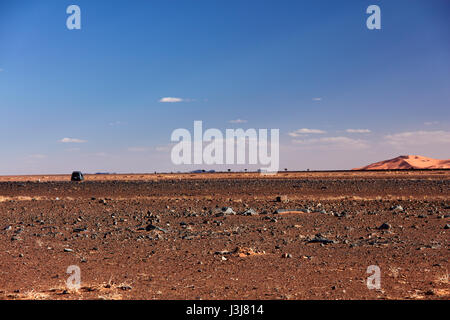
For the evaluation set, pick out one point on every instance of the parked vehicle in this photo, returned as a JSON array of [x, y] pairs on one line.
[[77, 176]]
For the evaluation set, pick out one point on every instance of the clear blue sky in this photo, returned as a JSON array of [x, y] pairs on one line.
[[274, 64]]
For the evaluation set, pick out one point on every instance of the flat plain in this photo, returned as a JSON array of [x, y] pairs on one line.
[[294, 235]]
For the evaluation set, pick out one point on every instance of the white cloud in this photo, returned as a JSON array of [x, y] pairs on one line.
[[72, 140], [100, 154], [37, 156], [238, 121], [304, 131], [137, 149], [317, 99], [332, 142], [117, 123], [358, 130], [416, 138], [170, 100], [166, 148], [430, 123]]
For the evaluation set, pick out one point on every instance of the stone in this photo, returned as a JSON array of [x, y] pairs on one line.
[[151, 227], [250, 212], [228, 211], [321, 239], [283, 198], [385, 226]]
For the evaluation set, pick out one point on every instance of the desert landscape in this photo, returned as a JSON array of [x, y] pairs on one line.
[[294, 235], [233, 154]]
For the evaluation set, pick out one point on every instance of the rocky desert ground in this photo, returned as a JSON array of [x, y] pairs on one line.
[[295, 235]]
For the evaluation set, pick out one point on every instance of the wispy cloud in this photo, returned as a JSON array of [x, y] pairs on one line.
[[100, 154], [358, 131], [170, 100], [317, 99], [1, 69], [238, 121], [165, 148], [138, 149], [430, 123], [117, 123], [72, 140], [416, 138], [332, 142], [305, 131], [37, 156]]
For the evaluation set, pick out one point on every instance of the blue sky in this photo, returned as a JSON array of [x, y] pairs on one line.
[[281, 64]]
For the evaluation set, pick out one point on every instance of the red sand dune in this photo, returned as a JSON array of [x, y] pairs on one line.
[[408, 162]]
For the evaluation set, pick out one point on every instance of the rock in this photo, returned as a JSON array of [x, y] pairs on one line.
[[151, 227], [385, 226], [228, 211], [320, 239], [286, 255], [280, 211], [68, 250], [250, 212], [283, 198], [79, 229], [397, 208], [429, 292], [125, 288], [447, 226]]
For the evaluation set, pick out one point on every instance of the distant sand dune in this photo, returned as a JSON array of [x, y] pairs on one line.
[[408, 162]]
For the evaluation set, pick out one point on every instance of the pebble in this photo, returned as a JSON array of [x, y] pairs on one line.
[[385, 226], [283, 198], [320, 239], [153, 227], [228, 210], [250, 212]]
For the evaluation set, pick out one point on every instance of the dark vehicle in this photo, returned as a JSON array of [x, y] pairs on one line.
[[77, 176]]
